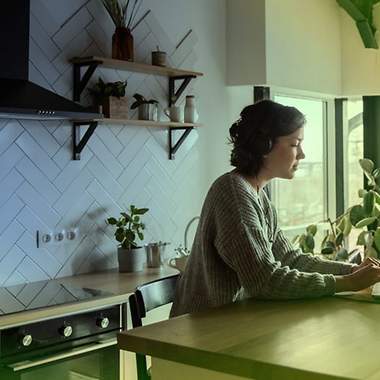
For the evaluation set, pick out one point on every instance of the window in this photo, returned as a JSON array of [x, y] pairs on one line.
[[303, 200]]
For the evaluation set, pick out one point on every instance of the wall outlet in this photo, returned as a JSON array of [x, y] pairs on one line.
[[72, 233], [56, 237]]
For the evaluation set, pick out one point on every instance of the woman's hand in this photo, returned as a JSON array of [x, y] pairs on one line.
[[364, 275], [368, 260]]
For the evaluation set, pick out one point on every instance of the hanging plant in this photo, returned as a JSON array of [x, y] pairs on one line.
[[361, 12]]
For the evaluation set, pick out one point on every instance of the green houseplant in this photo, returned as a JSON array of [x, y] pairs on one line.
[[129, 229], [364, 216], [122, 13], [111, 97], [147, 107]]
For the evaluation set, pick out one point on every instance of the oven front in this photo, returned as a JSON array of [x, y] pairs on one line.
[[73, 347]]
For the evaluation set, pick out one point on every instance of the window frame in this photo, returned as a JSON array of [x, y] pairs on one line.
[[346, 134]]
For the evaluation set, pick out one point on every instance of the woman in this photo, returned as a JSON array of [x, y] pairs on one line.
[[238, 250]]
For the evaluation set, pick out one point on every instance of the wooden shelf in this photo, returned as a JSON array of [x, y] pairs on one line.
[[178, 81], [147, 123], [134, 66]]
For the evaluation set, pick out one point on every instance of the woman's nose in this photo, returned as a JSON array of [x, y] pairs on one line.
[[301, 154]]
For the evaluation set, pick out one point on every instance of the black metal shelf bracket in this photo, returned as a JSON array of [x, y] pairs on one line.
[[80, 83], [173, 97], [173, 148], [175, 94], [78, 143]]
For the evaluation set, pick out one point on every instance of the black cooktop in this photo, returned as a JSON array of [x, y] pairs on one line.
[[36, 295]]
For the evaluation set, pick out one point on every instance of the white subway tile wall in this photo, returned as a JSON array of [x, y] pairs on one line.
[[43, 189]]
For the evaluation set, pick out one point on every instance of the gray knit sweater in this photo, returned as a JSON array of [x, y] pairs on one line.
[[240, 252]]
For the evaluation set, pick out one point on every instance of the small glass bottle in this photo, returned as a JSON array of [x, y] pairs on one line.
[[191, 114]]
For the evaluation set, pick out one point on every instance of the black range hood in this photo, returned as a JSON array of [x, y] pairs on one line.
[[20, 98]]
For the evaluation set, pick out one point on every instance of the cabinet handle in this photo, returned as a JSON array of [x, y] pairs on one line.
[[19, 366]]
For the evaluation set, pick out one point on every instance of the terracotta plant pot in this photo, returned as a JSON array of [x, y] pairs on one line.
[[122, 44], [115, 108], [131, 260]]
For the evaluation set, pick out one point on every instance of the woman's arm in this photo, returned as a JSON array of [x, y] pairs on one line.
[[284, 251], [249, 254]]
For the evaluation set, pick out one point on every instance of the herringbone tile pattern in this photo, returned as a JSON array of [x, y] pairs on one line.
[[43, 189]]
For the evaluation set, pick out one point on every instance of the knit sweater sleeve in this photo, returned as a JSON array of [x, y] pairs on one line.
[[284, 251], [249, 254]]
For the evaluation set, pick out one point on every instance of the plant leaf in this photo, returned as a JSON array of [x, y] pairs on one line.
[[377, 197], [111, 221], [141, 211], [361, 238], [376, 238], [312, 229], [309, 243], [327, 251], [356, 214], [368, 203], [341, 224], [126, 216], [348, 226], [342, 254], [370, 252], [367, 165], [339, 238], [365, 222]]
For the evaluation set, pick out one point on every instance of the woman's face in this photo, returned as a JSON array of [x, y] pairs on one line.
[[282, 161]]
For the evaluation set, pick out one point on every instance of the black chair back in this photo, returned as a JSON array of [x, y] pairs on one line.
[[146, 298], [151, 295]]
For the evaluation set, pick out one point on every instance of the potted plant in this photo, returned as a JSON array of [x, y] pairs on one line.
[[123, 15], [129, 228], [364, 216], [147, 109], [111, 97]]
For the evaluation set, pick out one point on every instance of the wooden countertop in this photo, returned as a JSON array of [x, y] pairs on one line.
[[329, 338], [121, 285]]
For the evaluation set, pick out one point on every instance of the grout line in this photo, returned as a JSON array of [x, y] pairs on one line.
[[183, 39]]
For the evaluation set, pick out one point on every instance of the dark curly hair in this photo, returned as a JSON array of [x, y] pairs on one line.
[[255, 133]]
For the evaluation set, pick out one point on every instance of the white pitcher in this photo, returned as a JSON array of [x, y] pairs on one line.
[[191, 114]]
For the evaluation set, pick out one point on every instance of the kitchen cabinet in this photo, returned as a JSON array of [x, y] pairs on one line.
[[174, 92]]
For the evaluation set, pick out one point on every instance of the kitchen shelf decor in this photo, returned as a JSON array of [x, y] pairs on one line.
[[123, 17], [175, 90]]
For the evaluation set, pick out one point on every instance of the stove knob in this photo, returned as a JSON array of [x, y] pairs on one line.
[[27, 340], [103, 322], [66, 331]]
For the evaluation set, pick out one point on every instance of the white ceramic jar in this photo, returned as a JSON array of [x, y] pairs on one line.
[[190, 114]]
